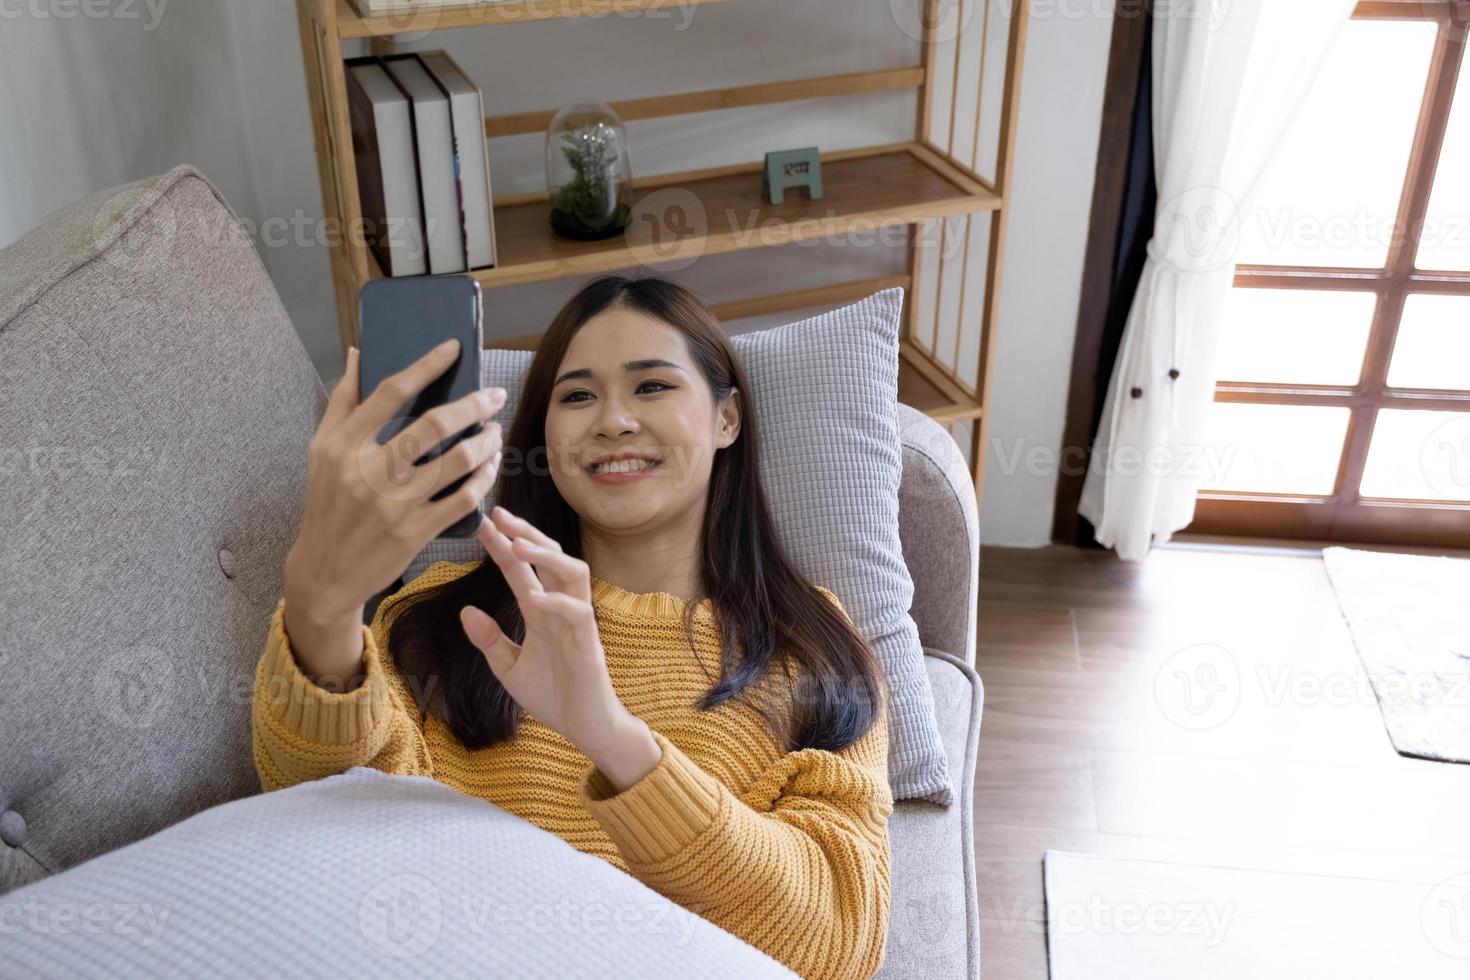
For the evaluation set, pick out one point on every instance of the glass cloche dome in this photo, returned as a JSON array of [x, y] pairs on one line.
[[588, 173]]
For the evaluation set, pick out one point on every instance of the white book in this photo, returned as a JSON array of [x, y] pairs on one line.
[[434, 137], [387, 175], [467, 110]]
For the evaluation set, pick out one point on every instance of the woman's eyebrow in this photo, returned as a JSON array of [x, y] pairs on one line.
[[642, 365]]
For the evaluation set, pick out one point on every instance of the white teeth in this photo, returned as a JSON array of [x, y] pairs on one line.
[[623, 466]]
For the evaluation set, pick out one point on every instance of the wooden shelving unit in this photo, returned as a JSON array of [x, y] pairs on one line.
[[722, 210]]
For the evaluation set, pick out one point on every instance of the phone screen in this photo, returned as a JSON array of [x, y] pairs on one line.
[[399, 320]]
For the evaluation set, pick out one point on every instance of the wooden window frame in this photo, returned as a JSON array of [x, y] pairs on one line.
[[1344, 515]]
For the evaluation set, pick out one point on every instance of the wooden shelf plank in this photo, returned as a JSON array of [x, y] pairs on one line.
[[710, 100], [943, 402], [930, 391], [862, 192], [350, 23]]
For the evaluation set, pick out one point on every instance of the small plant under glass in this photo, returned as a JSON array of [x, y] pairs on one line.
[[588, 175]]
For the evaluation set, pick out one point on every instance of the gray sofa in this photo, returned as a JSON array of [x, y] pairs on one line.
[[155, 405]]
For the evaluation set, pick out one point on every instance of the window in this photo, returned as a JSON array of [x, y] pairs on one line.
[[1343, 406]]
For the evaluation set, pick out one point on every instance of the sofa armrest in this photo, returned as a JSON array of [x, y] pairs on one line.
[[939, 526]]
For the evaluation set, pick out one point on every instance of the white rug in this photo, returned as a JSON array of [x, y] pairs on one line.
[[1128, 919], [1410, 620]]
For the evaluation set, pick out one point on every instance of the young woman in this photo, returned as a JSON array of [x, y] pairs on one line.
[[636, 666]]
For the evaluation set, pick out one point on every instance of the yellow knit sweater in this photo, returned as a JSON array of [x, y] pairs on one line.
[[788, 851]]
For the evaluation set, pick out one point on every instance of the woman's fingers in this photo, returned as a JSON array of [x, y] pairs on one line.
[[442, 422], [555, 567], [344, 396], [500, 651], [395, 391], [518, 573], [519, 527], [573, 612]]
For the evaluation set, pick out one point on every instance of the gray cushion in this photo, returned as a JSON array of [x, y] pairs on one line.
[[826, 394], [939, 523], [361, 874], [147, 361]]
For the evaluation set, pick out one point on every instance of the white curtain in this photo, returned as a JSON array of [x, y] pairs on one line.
[[1228, 77]]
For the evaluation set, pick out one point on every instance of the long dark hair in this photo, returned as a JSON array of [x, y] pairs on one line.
[[766, 613]]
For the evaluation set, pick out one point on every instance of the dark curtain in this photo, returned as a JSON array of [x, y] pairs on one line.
[[1135, 228]]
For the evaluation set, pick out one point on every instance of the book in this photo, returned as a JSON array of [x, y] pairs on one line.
[[433, 137], [387, 172], [472, 165]]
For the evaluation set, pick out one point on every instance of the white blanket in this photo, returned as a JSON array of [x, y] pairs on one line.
[[361, 874]]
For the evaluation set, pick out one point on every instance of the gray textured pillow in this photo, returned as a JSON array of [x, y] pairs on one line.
[[826, 394], [360, 874]]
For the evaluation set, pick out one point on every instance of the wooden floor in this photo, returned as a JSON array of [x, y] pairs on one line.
[[1200, 706]]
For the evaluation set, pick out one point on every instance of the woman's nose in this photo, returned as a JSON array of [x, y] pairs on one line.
[[616, 419]]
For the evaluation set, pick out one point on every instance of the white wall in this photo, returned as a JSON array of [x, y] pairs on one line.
[[1051, 200], [97, 102], [89, 102]]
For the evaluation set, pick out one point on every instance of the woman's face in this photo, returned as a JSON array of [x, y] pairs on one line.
[[628, 387]]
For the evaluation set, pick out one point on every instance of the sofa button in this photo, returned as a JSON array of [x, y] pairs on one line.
[[227, 562], [12, 828]]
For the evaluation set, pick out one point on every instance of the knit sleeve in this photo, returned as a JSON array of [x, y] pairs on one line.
[[801, 872], [301, 732], [797, 865]]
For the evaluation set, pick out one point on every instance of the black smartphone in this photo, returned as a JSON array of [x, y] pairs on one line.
[[399, 320]]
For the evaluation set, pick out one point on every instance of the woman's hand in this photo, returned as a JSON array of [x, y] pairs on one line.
[[558, 673], [367, 510]]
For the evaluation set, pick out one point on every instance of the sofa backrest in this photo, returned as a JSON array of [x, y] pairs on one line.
[[155, 406]]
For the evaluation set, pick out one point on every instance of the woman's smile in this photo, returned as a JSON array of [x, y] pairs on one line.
[[623, 471]]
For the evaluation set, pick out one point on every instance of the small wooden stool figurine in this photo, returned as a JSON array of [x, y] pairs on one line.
[[792, 168]]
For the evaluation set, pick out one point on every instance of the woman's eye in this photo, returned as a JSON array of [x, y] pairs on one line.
[[572, 396]]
